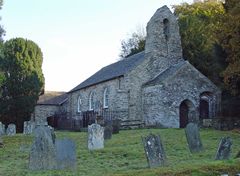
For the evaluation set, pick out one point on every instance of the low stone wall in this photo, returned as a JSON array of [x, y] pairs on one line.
[[227, 123]]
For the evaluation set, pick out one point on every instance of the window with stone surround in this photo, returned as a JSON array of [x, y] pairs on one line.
[[91, 101], [79, 104], [105, 98]]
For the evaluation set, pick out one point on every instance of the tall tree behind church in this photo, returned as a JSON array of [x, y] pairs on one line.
[[229, 36], [198, 23], [24, 81]]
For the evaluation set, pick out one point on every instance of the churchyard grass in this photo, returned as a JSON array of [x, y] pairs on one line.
[[124, 155]]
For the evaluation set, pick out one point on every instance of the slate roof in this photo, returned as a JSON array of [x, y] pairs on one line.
[[166, 73], [57, 98], [112, 71]]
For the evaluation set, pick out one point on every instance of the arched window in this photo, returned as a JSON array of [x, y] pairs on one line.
[[79, 103], [105, 98], [91, 102], [166, 30]]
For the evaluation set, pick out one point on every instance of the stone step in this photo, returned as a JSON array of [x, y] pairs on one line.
[[132, 124]]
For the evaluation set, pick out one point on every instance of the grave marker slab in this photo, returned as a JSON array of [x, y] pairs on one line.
[[116, 126], [224, 149], [2, 129], [43, 152], [28, 127], [66, 154], [108, 129], [95, 137], [11, 129], [1, 142], [154, 151], [193, 137]]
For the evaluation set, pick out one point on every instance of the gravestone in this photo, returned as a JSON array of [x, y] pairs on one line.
[[95, 137], [1, 142], [11, 129], [43, 152], [28, 127], [154, 151], [2, 129], [224, 149], [108, 129], [66, 154], [116, 123], [193, 137]]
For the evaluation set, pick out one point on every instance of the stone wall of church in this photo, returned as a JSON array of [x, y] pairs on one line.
[[41, 112], [163, 42], [161, 100], [118, 98]]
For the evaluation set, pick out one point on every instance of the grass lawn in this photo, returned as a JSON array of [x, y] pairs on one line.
[[124, 155]]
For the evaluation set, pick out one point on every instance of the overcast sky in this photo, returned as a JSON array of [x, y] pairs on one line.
[[77, 37]]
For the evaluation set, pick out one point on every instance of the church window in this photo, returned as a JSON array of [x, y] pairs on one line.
[[79, 103], [91, 102], [166, 30], [106, 98]]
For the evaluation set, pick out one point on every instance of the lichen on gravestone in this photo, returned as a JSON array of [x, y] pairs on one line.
[[224, 149], [11, 129], [95, 137], [154, 151]]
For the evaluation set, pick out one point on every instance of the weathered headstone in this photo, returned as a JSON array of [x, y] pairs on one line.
[[193, 137], [108, 129], [116, 123], [28, 127], [43, 152], [66, 154], [154, 150], [2, 129], [224, 149], [11, 129], [95, 137], [1, 142]]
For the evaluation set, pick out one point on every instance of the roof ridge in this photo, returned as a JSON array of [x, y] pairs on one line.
[[112, 71]]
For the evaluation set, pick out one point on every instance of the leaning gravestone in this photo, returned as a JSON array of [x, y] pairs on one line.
[[43, 152], [95, 137], [2, 129], [66, 154], [224, 149], [28, 127], [108, 129], [193, 137], [154, 151], [11, 130]]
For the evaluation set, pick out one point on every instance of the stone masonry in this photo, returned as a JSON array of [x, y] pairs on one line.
[[156, 86]]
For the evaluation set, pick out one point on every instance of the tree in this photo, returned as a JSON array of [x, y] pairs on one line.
[[134, 44], [229, 36], [2, 31], [198, 23], [24, 81]]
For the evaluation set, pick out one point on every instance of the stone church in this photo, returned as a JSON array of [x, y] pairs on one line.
[[156, 87]]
